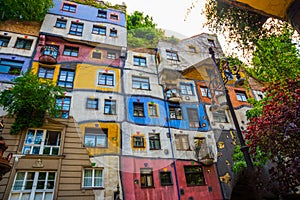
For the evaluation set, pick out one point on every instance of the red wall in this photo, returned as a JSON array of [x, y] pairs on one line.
[[132, 191], [84, 54]]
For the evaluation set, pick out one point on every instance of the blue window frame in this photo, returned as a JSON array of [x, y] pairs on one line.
[[100, 30], [92, 103], [11, 66], [50, 50], [139, 61], [186, 88], [61, 23], [66, 78], [76, 29], [71, 51], [69, 7], [106, 79], [63, 105], [46, 72]]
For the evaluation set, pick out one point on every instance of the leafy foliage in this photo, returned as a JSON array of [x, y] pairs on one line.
[[242, 26], [29, 100], [27, 10], [275, 58], [142, 31], [277, 131]]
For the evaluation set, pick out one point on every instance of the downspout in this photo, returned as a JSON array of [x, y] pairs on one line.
[[169, 128]]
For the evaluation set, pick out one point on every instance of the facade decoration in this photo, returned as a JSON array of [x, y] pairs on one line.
[[133, 124]]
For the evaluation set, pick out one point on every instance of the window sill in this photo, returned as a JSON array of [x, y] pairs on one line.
[[155, 149], [92, 188], [109, 114], [150, 187]]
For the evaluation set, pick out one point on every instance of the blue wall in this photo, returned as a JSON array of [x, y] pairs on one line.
[[161, 120], [184, 122], [85, 12], [10, 77]]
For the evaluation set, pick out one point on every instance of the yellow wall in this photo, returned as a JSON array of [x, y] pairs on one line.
[[274, 7], [113, 144], [87, 77]]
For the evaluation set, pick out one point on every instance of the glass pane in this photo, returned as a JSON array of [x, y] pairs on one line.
[[29, 137], [25, 196], [101, 140], [55, 150], [29, 180], [89, 140], [46, 151], [14, 196], [38, 196], [50, 185], [36, 150], [38, 137], [98, 182], [26, 150], [48, 196], [51, 176]]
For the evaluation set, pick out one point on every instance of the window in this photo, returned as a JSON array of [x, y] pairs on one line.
[[61, 23], [140, 83], [220, 116], [194, 175], [172, 55], [46, 72], [193, 117], [182, 142], [64, 105], [69, 7], [192, 49], [171, 91], [175, 112], [114, 17], [33, 185], [76, 29], [100, 30], [106, 79], [205, 92], [93, 178], [96, 55], [139, 61], [111, 55], [41, 142], [138, 141], [138, 109], [50, 50], [154, 141], [110, 107], [211, 43], [165, 178], [23, 44], [146, 178], [113, 33], [241, 96], [4, 41], [102, 14], [152, 108], [11, 66], [200, 143], [95, 137], [186, 88], [66, 78], [92, 104], [71, 51]]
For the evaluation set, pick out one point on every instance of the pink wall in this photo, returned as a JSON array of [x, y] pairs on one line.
[[133, 191], [84, 54]]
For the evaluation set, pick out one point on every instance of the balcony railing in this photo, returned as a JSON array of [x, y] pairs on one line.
[[49, 55]]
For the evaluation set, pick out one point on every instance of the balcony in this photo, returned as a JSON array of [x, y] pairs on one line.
[[173, 95], [49, 55]]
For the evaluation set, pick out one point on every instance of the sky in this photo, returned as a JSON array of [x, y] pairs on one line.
[[174, 16]]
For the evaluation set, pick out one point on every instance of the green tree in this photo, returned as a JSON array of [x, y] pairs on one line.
[[143, 32], [27, 10], [29, 100]]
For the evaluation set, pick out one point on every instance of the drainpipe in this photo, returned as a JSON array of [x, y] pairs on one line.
[[169, 128]]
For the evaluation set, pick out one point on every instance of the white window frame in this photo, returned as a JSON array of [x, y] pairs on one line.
[[31, 192], [38, 141], [93, 178]]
